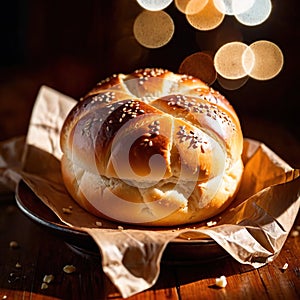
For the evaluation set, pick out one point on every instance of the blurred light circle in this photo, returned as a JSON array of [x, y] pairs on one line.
[[153, 29], [256, 14], [248, 60], [206, 19], [232, 84], [181, 5], [195, 6], [241, 6], [154, 5], [190, 7], [268, 60], [200, 65], [232, 62], [233, 7]]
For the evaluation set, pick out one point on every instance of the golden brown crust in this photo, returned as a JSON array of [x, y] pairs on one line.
[[163, 140]]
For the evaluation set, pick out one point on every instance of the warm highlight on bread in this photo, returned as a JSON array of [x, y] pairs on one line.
[[152, 148]]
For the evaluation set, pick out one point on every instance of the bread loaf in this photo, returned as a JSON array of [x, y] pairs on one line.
[[152, 148]]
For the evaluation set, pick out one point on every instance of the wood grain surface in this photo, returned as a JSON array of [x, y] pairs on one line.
[[40, 253]]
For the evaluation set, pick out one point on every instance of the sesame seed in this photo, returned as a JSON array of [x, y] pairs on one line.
[[69, 269], [211, 223], [44, 286], [48, 278], [285, 266], [66, 210], [13, 245]]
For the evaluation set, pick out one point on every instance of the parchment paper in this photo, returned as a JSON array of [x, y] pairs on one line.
[[253, 230]]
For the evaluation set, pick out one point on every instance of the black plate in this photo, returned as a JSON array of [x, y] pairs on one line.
[[178, 251]]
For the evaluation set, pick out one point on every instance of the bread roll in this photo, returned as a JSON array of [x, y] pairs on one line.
[[152, 148]]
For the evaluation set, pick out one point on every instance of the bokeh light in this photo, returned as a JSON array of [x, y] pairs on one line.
[[232, 62], [190, 7], [256, 14], [153, 29], [233, 7], [232, 84], [181, 5], [200, 65], [154, 5], [268, 60], [206, 19], [228, 60]]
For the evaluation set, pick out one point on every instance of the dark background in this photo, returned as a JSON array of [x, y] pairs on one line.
[[71, 45]]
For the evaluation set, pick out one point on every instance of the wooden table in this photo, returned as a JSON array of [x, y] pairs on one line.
[[40, 253]]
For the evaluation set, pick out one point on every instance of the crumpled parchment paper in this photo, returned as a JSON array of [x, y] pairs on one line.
[[252, 230]]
